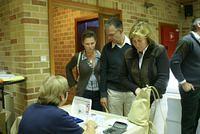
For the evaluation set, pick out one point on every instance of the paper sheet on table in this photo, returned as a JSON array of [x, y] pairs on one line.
[[10, 77], [99, 119], [81, 107]]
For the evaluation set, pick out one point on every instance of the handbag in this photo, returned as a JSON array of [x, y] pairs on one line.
[[140, 111]]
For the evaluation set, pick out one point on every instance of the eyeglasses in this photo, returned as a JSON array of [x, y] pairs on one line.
[[112, 34]]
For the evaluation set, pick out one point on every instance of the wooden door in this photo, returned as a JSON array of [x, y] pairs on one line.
[[82, 24], [169, 36], [102, 20], [94, 23]]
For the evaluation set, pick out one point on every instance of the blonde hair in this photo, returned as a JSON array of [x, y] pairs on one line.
[[141, 29], [51, 90]]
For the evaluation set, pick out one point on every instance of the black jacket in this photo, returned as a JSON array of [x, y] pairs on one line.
[[154, 70]]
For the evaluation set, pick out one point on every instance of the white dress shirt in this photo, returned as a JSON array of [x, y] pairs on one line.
[[126, 40], [141, 57]]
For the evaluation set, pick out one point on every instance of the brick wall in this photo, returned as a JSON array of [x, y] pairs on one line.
[[64, 36], [23, 40], [161, 11], [165, 11], [186, 21], [24, 35]]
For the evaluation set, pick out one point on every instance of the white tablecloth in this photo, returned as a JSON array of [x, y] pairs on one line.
[[104, 120]]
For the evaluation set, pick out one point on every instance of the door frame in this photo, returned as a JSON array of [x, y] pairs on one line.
[[90, 17], [78, 6]]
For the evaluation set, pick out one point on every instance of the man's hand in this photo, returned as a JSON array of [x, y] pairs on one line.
[[187, 86], [104, 102]]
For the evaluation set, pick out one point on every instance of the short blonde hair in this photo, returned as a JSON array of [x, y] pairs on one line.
[[51, 90], [141, 29]]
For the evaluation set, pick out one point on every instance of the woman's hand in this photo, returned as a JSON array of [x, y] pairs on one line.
[[91, 123], [90, 127]]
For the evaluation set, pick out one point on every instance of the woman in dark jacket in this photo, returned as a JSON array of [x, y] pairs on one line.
[[146, 63], [87, 63]]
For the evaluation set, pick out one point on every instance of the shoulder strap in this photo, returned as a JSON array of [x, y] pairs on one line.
[[78, 60], [98, 52], [77, 65]]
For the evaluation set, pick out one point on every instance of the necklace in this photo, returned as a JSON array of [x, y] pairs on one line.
[[91, 63], [91, 60]]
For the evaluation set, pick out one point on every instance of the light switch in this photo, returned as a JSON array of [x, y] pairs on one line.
[[43, 58]]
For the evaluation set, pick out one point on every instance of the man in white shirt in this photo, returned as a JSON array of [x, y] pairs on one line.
[[114, 95]]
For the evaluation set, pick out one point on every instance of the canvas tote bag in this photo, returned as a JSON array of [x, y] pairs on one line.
[[140, 112]]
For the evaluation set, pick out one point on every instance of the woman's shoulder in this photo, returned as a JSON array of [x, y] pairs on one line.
[[155, 45], [158, 49], [60, 111], [56, 113], [77, 56], [130, 52], [50, 109]]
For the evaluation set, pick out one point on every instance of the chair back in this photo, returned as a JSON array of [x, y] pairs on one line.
[[3, 122]]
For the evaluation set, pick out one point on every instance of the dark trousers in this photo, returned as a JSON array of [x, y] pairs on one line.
[[190, 102], [95, 97]]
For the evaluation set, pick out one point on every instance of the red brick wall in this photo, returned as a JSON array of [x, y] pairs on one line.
[[64, 36]]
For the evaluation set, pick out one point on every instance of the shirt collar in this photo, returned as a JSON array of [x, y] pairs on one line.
[[144, 50], [196, 35], [126, 41], [98, 55]]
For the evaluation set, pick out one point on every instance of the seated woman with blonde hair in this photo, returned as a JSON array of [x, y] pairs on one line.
[[45, 116]]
